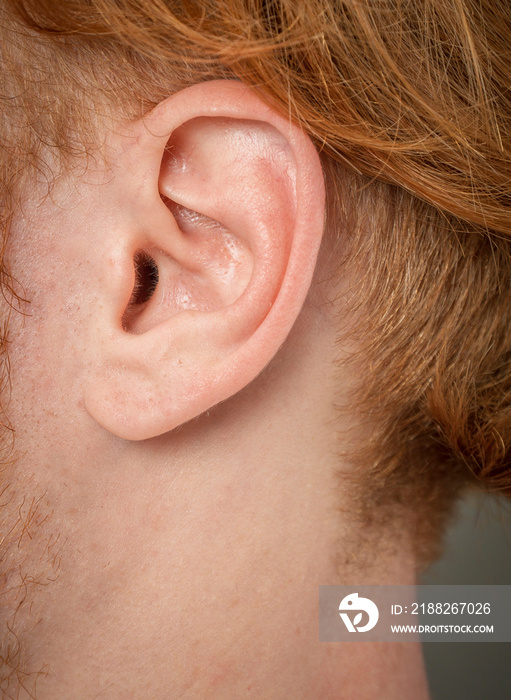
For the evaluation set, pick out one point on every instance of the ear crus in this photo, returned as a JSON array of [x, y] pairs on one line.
[[224, 210]]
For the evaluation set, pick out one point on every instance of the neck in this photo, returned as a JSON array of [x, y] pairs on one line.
[[192, 561]]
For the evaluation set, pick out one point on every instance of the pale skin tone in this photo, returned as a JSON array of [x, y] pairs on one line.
[[185, 560]]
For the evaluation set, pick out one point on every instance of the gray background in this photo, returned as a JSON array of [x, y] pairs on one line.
[[477, 551]]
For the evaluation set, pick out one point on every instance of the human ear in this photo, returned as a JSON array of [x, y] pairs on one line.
[[224, 201]]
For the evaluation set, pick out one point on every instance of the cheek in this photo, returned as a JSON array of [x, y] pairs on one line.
[[45, 334]]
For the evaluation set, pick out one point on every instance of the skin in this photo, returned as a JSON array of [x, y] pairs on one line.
[[185, 565]]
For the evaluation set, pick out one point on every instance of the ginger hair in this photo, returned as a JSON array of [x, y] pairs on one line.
[[409, 104]]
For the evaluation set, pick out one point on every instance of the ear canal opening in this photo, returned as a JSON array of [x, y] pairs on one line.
[[146, 278], [146, 281]]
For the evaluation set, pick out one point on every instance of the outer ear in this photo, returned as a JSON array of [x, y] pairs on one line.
[[222, 216]]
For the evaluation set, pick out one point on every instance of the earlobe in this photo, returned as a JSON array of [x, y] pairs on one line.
[[222, 232]]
